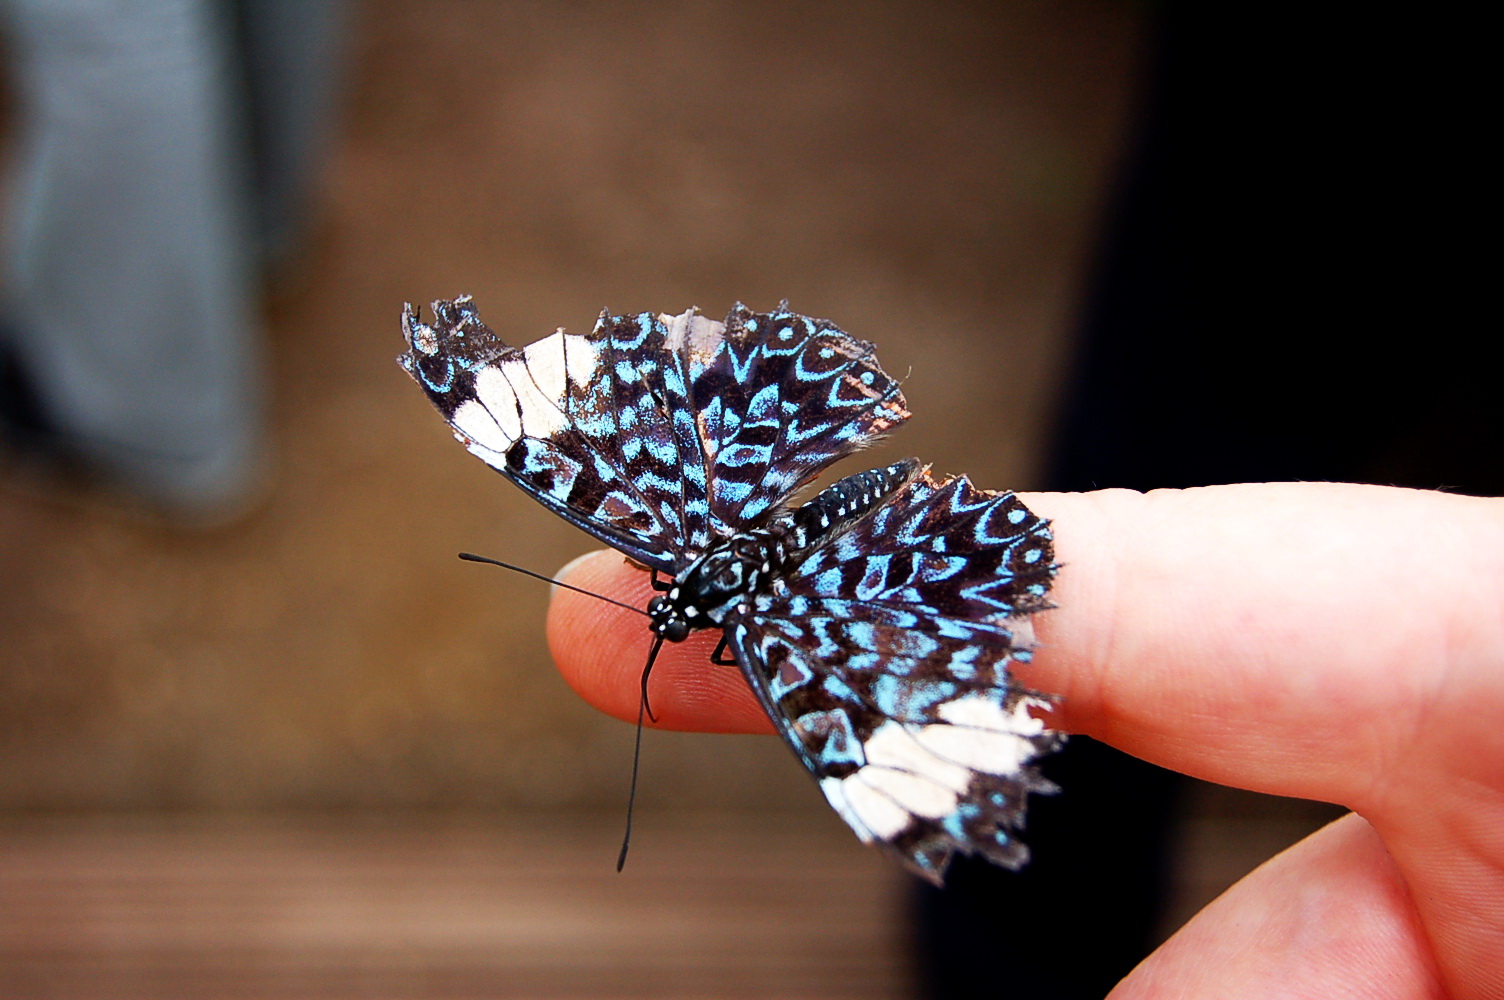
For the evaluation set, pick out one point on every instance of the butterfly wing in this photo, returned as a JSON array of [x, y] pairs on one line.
[[655, 433], [884, 663], [777, 398]]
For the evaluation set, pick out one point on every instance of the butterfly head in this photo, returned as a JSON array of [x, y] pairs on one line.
[[666, 620], [716, 585]]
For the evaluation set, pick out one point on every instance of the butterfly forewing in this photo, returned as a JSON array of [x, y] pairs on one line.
[[778, 398], [656, 433], [884, 663], [548, 417], [635, 395]]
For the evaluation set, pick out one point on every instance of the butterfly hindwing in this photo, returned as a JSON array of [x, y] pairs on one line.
[[884, 663]]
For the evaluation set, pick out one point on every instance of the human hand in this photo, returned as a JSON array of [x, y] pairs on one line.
[[1326, 641]]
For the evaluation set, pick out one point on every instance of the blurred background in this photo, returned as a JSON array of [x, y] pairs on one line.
[[273, 739]]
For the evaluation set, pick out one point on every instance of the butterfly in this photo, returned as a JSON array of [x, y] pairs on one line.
[[875, 623]]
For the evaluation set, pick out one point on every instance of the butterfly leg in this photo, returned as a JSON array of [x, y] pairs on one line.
[[719, 657], [661, 585]]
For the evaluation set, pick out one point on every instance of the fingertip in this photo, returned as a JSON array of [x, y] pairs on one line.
[[587, 637], [601, 650]]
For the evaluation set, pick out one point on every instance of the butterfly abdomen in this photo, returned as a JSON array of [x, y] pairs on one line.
[[837, 506]]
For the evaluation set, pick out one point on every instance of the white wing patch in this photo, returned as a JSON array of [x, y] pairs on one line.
[[700, 333], [914, 770], [494, 392], [563, 355], [978, 749], [980, 712], [582, 358], [524, 396], [894, 749], [542, 414], [482, 433], [916, 795], [867, 811], [546, 363]]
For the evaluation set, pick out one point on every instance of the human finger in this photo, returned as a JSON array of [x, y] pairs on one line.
[[1329, 917], [1274, 636], [1294, 638], [601, 650]]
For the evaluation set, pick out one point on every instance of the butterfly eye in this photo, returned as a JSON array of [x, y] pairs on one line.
[[676, 630]]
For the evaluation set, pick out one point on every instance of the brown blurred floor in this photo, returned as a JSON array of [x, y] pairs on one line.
[[424, 906], [525, 907]]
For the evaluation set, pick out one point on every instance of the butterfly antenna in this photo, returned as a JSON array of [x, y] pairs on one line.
[[472, 557], [646, 705], [642, 708]]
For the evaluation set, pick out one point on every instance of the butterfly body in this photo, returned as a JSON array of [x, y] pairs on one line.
[[723, 582], [875, 623]]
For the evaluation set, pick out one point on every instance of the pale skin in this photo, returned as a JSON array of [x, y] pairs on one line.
[[1333, 642]]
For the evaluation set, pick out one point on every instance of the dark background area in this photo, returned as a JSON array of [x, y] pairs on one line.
[[1280, 292]]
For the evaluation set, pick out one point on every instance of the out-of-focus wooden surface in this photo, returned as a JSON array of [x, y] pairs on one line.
[[526, 906], [414, 905]]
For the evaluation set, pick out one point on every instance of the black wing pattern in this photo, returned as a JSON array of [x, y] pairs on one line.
[[883, 659], [656, 433]]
